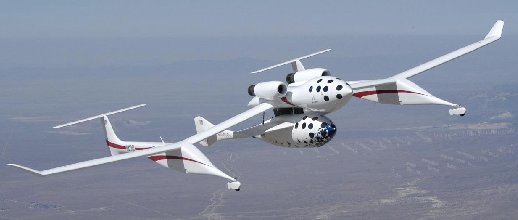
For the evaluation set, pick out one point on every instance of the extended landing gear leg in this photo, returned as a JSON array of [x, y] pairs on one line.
[[459, 110], [234, 185]]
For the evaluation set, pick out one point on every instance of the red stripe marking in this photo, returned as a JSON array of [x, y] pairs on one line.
[[367, 93], [156, 157], [285, 100], [168, 157], [113, 145], [116, 146]]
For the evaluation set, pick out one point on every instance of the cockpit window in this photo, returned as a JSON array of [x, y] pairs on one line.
[[310, 88], [320, 80], [325, 88], [339, 87], [323, 125]]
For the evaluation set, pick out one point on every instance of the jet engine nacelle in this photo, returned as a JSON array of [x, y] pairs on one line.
[[305, 75], [268, 90]]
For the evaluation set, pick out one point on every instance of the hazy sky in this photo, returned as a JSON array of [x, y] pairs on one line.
[[114, 19], [145, 33], [65, 60]]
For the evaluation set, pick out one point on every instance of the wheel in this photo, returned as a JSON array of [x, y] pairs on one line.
[[462, 115], [234, 185]]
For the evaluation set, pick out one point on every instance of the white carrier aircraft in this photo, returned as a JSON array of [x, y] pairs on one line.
[[299, 106]]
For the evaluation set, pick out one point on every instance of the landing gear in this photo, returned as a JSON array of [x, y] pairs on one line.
[[460, 111], [234, 185]]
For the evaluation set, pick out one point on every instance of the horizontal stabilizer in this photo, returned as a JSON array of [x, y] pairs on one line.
[[100, 116], [297, 64]]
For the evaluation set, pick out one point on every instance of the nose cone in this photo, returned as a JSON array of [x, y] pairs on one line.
[[329, 131]]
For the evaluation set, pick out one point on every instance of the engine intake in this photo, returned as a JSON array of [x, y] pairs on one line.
[[268, 90]]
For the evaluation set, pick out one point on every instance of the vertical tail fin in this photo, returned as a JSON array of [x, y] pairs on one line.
[[202, 125], [114, 143]]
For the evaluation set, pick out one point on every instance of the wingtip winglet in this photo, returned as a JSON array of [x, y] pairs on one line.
[[33, 171], [496, 30]]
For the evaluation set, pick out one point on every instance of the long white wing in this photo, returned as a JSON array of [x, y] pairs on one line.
[[494, 34], [191, 140]]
